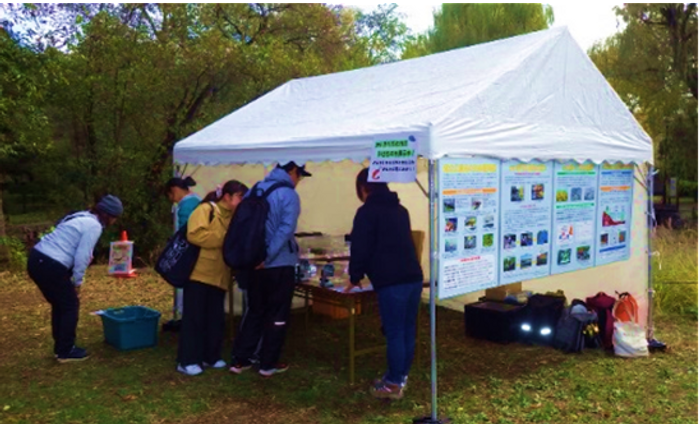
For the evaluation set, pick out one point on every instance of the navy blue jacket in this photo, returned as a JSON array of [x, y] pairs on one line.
[[381, 243]]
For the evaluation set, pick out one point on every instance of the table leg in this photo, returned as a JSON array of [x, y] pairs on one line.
[[350, 304]]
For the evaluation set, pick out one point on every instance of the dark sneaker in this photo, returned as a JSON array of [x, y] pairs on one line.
[[76, 354], [278, 369], [238, 367], [385, 390]]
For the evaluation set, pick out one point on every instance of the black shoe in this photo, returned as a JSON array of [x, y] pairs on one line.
[[76, 354]]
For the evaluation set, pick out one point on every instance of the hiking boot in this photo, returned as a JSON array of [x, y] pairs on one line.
[[217, 365], [386, 390], [76, 354], [190, 370], [278, 369], [237, 367]]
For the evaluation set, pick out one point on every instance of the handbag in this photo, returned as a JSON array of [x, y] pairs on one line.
[[629, 338], [176, 262]]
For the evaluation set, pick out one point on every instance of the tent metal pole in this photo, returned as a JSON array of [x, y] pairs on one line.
[[650, 247], [433, 292]]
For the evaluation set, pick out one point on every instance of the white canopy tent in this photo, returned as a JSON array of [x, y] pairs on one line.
[[536, 96]]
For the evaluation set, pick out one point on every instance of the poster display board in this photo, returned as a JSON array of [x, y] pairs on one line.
[[575, 200], [614, 212], [501, 222], [526, 220], [468, 223]]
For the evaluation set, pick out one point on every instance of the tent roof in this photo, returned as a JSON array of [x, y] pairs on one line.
[[536, 96]]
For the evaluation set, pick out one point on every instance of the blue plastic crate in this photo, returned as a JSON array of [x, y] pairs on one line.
[[131, 327]]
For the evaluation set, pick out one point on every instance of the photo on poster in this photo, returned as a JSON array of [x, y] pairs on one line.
[[448, 205], [604, 239], [517, 193], [576, 194], [562, 196], [583, 253], [542, 259], [542, 237], [525, 261], [538, 192], [590, 194], [489, 222], [614, 217], [451, 225], [450, 245], [564, 257], [510, 241], [476, 204], [622, 236], [565, 233], [526, 239], [509, 263], [487, 241], [470, 223], [470, 242]]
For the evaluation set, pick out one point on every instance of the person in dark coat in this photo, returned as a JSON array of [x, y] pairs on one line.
[[382, 249]]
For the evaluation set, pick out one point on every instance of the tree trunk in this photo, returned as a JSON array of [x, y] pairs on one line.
[[4, 251]]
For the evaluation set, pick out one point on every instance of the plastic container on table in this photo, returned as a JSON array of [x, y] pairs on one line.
[[131, 327]]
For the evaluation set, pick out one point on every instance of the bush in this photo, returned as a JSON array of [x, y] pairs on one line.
[[17, 253], [688, 189], [675, 271]]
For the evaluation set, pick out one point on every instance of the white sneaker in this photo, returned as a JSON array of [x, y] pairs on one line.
[[217, 365], [190, 370]]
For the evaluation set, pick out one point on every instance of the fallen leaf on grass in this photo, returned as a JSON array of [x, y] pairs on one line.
[[5, 408]]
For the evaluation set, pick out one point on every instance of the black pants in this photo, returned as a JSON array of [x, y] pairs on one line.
[[203, 326], [269, 301], [54, 281]]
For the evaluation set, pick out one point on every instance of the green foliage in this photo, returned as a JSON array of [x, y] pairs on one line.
[[17, 253], [652, 64], [128, 81], [465, 24]]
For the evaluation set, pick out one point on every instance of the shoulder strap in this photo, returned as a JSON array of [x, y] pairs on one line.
[[275, 186], [71, 216], [211, 213]]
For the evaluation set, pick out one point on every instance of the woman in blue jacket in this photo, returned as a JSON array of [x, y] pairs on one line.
[[179, 193], [382, 249], [58, 263]]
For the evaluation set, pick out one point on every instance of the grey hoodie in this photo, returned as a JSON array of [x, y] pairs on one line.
[[282, 248]]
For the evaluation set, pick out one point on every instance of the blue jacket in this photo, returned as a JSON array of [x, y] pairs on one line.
[[185, 207], [72, 243], [282, 248]]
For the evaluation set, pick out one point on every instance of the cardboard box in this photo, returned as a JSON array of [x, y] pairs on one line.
[[499, 293]]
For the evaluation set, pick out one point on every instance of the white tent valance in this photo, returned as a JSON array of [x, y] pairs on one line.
[[536, 96]]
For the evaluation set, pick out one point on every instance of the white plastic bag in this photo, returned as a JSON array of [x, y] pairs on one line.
[[629, 340]]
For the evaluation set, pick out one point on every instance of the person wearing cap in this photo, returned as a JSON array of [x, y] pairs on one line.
[[268, 295], [58, 263]]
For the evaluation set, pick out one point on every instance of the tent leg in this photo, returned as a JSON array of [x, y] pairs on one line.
[[433, 419], [650, 229]]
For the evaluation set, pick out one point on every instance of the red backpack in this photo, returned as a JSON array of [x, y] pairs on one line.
[[626, 308], [603, 305]]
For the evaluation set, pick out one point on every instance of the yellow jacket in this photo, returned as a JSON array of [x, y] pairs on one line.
[[209, 236]]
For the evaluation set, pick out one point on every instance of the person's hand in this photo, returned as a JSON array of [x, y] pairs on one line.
[[349, 286], [261, 266], [77, 291]]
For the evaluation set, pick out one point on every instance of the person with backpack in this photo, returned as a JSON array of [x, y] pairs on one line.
[[271, 279], [203, 326], [57, 265], [178, 191], [382, 249]]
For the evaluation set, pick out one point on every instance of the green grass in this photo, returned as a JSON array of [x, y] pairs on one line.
[[675, 272], [479, 382]]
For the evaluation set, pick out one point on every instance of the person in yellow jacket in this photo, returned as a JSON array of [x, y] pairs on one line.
[[203, 326]]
